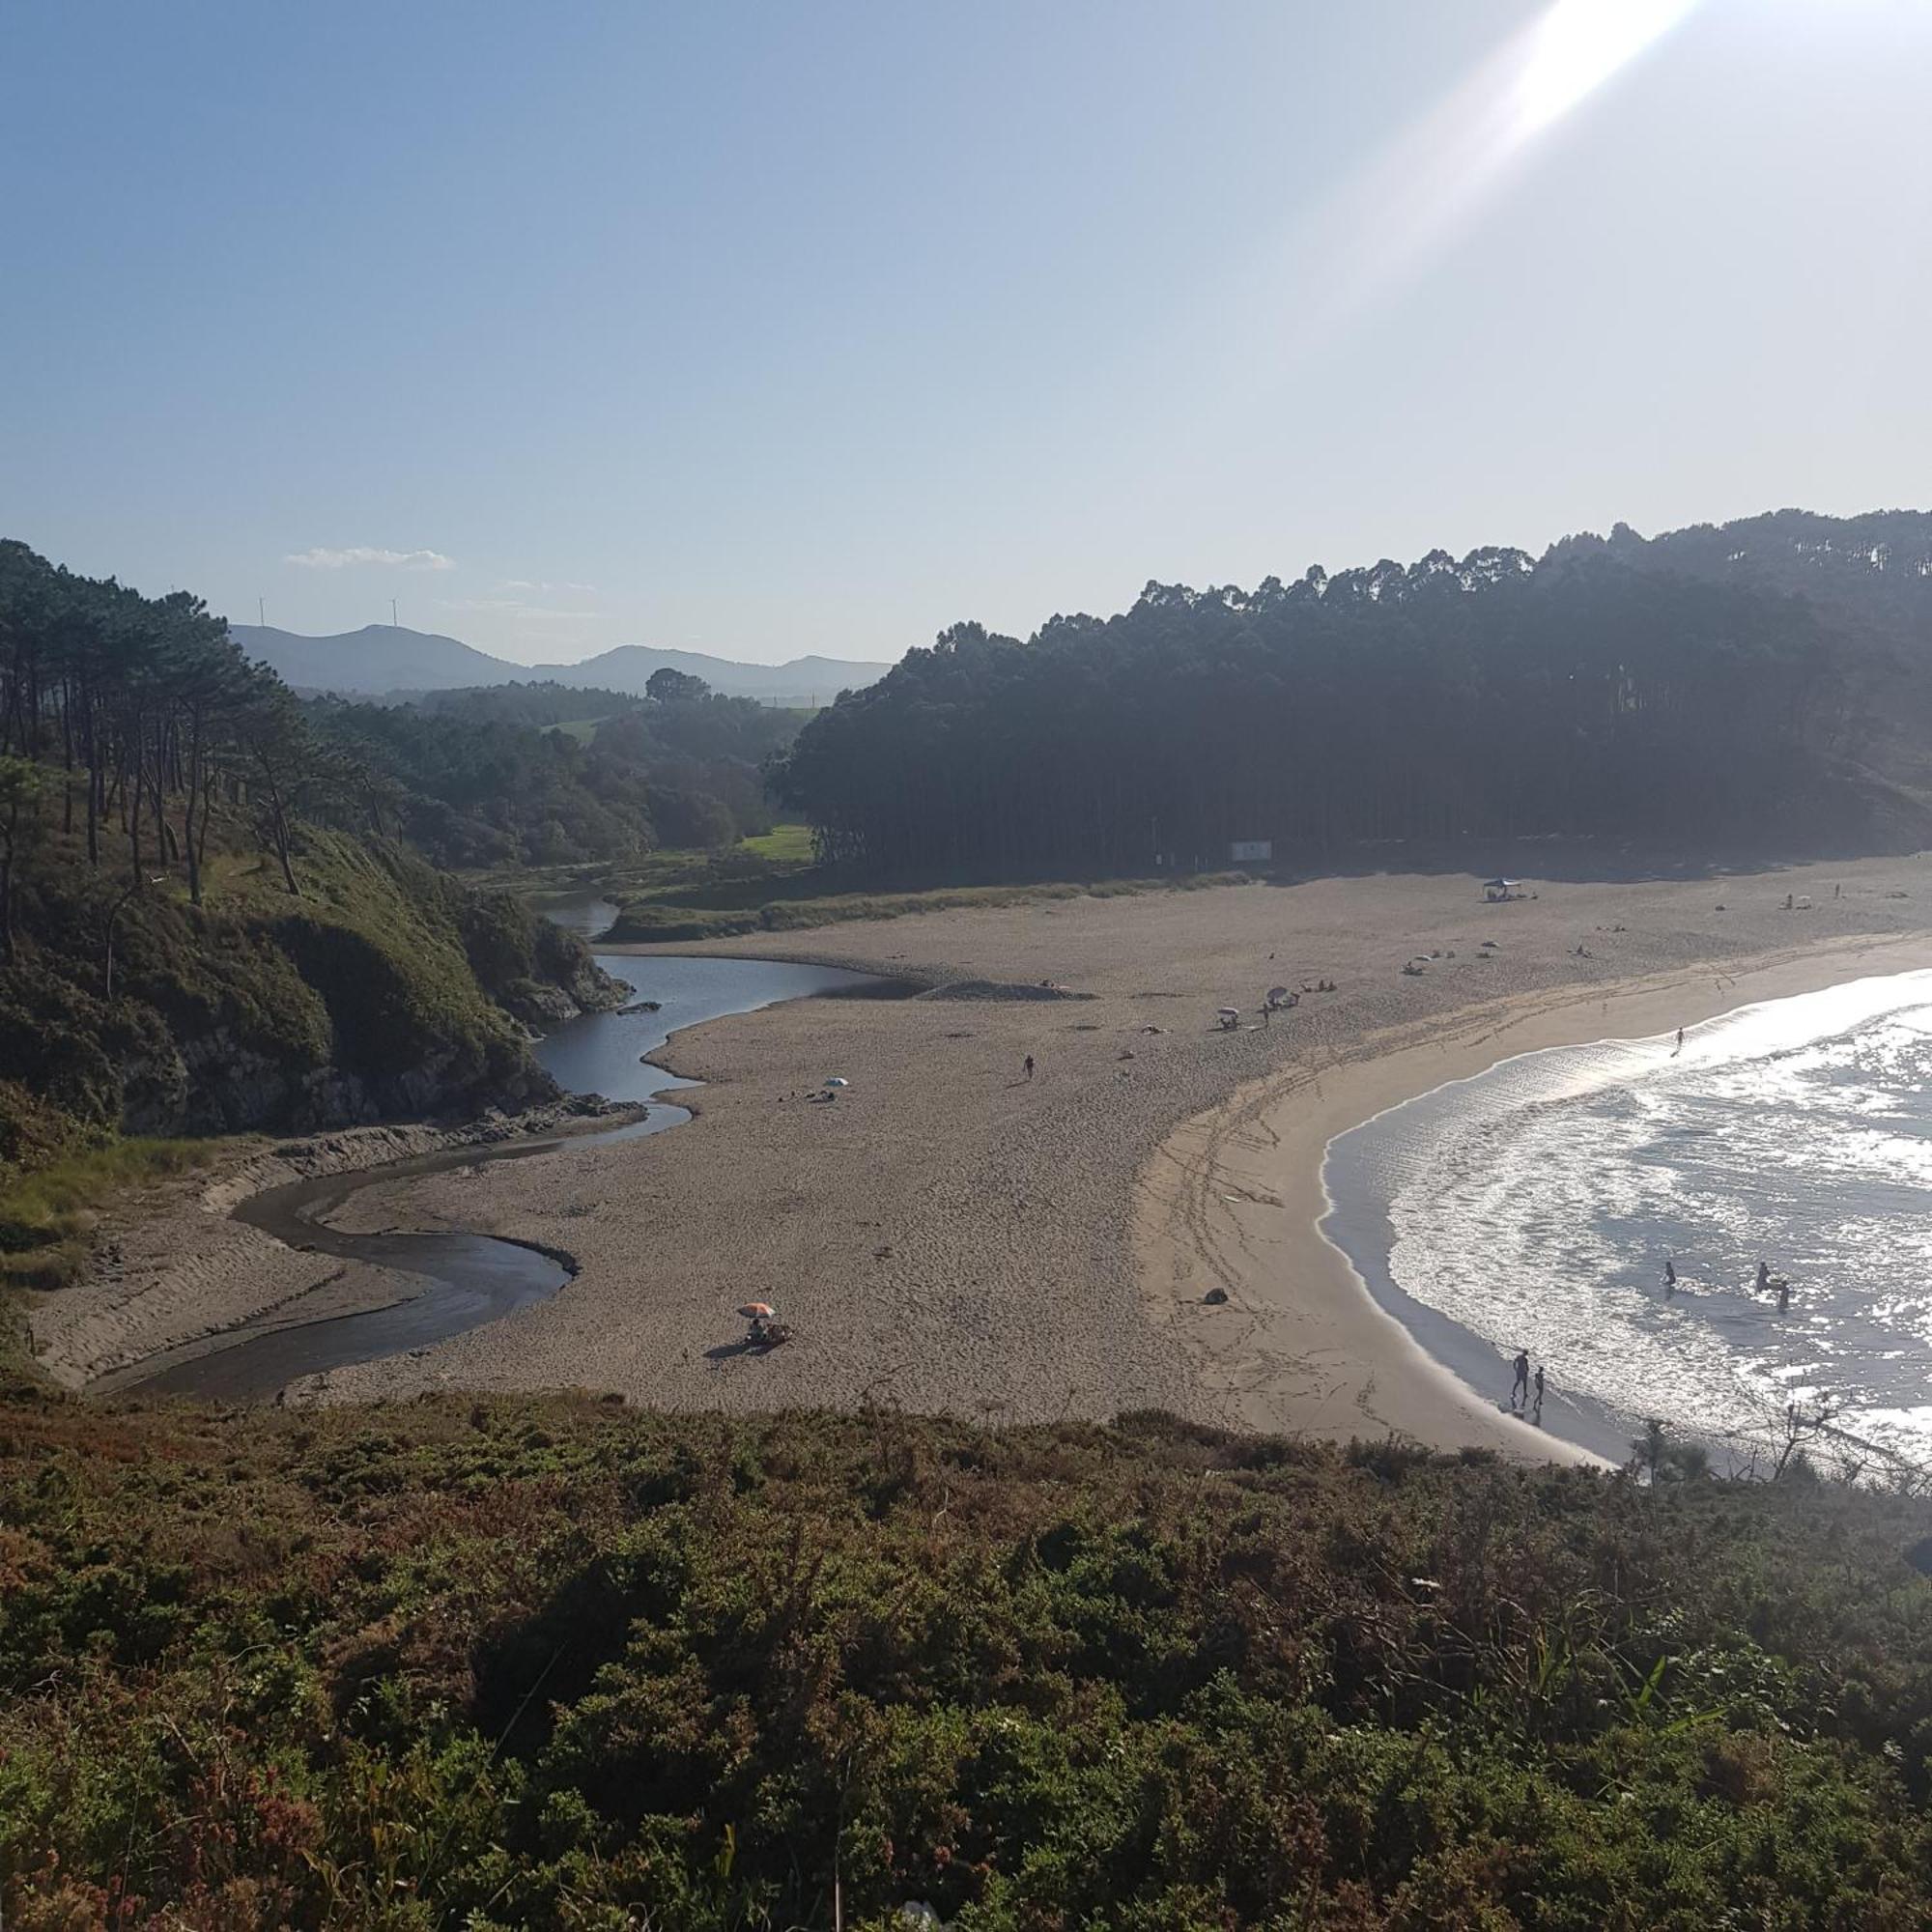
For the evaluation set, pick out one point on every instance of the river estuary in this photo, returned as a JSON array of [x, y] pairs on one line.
[[470, 1279]]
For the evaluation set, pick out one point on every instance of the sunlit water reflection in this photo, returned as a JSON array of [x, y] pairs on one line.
[[1537, 1204]]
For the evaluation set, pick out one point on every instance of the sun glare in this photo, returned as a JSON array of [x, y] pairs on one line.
[[1381, 227], [1578, 45]]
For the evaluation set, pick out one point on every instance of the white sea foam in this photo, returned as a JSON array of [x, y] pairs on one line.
[[1535, 1206]]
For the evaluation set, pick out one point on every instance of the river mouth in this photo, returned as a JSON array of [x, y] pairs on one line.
[[464, 1279]]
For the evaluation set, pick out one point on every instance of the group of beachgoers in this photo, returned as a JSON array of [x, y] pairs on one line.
[[1526, 1390], [1767, 1284]]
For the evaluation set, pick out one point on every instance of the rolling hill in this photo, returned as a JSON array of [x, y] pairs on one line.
[[382, 660]]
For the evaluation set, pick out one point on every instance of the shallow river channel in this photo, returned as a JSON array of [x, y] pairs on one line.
[[470, 1279]]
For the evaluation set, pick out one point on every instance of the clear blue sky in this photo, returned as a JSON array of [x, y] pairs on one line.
[[767, 329]]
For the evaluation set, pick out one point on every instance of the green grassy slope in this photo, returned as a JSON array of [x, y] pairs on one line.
[[548, 1662], [385, 988]]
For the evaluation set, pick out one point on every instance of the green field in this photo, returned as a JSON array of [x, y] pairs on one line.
[[770, 903], [783, 844], [775, 884]]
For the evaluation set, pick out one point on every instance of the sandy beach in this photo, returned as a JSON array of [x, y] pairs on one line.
[[953, 1236], [1236, 1198]]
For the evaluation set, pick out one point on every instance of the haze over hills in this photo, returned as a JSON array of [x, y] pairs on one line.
[[383, 658]]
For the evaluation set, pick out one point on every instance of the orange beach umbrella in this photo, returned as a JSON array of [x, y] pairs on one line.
[[753, 1310]]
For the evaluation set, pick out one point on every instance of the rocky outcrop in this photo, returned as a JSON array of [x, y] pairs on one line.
[[214, 1083]]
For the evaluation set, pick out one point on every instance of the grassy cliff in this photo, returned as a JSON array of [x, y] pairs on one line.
[[548, 1662], [383, 989]]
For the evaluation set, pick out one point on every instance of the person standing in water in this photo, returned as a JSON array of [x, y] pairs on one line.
[[1669, 1277], [1763, 1276], [1519, 1387]]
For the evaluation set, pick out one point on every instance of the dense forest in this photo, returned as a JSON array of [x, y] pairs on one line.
[[1875, 569], [540, 774], [1712, 685], [192, 937]]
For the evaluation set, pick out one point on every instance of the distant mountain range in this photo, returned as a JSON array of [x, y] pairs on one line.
[[383, 660]]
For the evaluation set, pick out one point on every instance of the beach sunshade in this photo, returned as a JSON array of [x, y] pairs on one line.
[[837, 1081], [1276, 993], [754, 1310]]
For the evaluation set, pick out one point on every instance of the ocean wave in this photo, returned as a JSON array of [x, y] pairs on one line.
[[1536, 1204]]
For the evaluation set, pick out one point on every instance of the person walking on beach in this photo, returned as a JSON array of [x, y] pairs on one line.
[[1029, 1066], [1680, 1039], [1538, 1405], [1519, 1387]]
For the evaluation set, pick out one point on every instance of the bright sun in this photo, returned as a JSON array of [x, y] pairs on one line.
[[1578, 45]]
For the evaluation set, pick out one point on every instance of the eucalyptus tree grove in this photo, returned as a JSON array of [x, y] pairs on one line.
[[140, 721], [1490, 698]]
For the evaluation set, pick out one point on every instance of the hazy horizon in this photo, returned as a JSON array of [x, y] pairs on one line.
[[764, 335], [545, 664]]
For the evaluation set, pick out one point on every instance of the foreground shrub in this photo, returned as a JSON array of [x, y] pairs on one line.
[[545, 1662]]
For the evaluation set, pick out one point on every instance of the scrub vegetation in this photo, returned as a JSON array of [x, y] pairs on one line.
[[549, 1663]]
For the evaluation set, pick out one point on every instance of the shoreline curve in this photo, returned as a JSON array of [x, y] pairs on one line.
[[1235, 1199]]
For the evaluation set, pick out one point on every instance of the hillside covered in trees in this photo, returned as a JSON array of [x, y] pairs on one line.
[[1761, 681], [545, 775], [192, 940]]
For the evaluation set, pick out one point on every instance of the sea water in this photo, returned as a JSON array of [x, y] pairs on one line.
[[1536, 1205]]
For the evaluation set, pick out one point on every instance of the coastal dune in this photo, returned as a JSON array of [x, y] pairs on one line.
[[950, 1236]]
